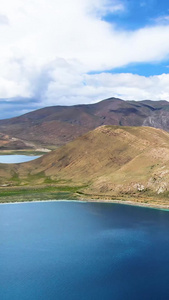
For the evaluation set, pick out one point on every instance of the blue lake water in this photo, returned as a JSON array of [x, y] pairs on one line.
[[83, 251], [8, 159]]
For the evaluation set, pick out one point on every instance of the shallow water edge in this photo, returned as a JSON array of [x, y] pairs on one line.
[[122, 202]]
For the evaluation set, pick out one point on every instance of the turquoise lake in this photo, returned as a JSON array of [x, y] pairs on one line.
[[83, 251]]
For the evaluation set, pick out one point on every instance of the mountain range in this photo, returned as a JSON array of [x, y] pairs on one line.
[[55, 126]]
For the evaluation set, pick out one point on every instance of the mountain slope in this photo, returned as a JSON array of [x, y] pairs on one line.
[[10, 143], [58, 125], [109, 160]]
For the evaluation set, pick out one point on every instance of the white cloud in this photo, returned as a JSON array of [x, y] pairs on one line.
[[162, 19], [4, 20], [49, 46], [67, 87], [102, 7], [91, 88]]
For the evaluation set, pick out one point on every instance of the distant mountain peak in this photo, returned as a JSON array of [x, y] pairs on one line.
[[54, 126]]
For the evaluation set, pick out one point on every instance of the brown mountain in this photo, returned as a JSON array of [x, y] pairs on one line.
[[57, 125], [110, 160]]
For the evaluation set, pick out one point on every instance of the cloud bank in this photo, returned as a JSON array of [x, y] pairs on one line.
[[50, 47]]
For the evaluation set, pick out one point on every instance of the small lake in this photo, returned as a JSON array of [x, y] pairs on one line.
[[9, 159], [83, 251]]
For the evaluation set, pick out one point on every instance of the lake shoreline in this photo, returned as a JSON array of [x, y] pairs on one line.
[[123, 202]]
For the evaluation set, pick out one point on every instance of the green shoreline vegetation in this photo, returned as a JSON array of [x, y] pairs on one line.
[[44, 193]]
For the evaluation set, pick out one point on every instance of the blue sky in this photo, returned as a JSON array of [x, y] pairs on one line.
[[59, 52], [138, 14], [143, 69]]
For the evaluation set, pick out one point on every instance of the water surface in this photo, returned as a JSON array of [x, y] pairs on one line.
[[8, 159], [87, 251]]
